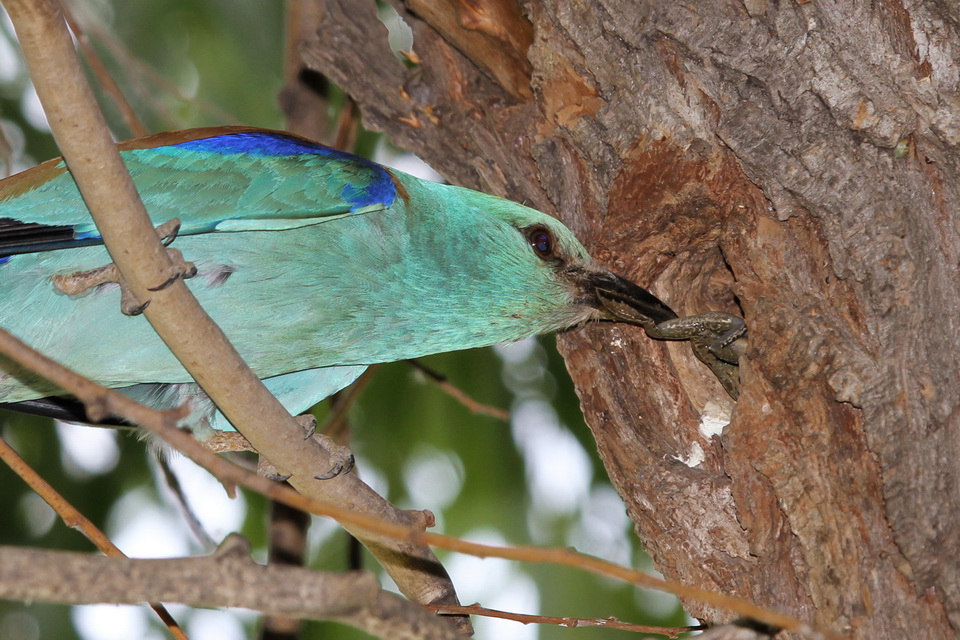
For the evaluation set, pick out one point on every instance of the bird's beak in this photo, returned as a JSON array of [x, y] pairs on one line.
[[618, 299]]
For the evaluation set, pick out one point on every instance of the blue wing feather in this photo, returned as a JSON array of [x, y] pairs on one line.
[[241, 180]]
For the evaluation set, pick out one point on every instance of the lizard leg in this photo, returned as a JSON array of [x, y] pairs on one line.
[[718, 340]]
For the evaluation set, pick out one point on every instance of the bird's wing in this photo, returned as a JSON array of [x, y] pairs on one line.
[[213, 180]]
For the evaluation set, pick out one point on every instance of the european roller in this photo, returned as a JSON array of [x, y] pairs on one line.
[[316, 264]]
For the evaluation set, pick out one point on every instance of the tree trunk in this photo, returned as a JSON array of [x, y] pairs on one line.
[[794, 162]]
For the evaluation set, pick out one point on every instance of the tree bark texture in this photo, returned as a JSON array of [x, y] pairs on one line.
[[791, 161]]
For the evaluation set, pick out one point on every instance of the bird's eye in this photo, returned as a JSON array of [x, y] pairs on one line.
[[541, 240]]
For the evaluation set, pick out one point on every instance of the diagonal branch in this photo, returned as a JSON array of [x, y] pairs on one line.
[[473, 406], [567, 621], [107, 83]]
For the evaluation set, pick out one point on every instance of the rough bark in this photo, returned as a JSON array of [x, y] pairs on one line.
[[229, 577], [792, 161]]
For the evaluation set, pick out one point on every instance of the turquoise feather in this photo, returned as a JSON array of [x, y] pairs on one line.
[[314, 262]]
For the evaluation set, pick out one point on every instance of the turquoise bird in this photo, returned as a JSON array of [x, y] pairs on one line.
[[316, 264]]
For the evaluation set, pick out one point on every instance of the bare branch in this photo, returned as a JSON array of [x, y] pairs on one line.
[[228, 578], [304, 96], [73, 518], [566, 621]]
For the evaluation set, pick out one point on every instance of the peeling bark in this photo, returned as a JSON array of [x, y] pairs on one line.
[[795, 162]]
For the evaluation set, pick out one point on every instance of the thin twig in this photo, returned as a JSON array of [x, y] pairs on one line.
[[176, 488], [109, 85], [564, 621], [347, 126], [143, 78], [334, 424], [6, 153], [72, 517], [109, 402], [476, 408]]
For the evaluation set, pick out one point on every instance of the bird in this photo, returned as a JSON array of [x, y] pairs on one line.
[[315, 262]]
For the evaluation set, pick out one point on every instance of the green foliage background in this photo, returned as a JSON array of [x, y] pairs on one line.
[[224, 57]]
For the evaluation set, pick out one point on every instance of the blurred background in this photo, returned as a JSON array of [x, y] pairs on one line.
[[533, 478]]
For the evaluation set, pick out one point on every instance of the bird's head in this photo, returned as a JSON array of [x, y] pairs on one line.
[[600, 293]]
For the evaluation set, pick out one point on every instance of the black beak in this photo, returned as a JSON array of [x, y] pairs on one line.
[[619, 299]]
